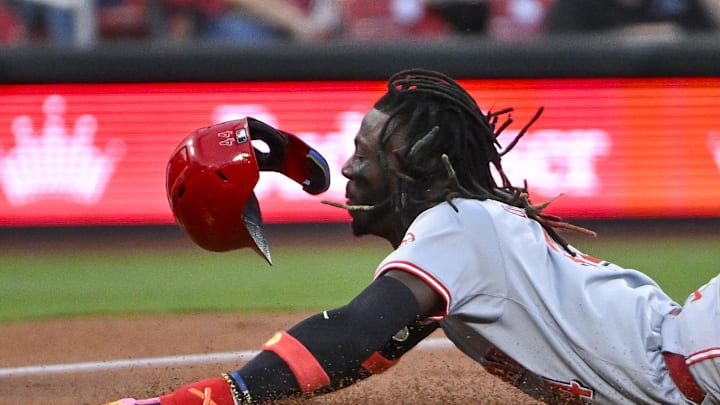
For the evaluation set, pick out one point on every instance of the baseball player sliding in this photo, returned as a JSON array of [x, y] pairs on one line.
[[472, 256]]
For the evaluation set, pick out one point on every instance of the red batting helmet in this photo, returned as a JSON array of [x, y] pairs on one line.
[[212, 173]]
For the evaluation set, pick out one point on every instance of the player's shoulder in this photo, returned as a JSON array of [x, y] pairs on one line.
[[467, 207], [463, 211]]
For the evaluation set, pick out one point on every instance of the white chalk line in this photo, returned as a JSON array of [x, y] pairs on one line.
[[151, 362]]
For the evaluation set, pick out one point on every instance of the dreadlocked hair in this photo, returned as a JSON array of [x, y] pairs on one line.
[[443, 129]]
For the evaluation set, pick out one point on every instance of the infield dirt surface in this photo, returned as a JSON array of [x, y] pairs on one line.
[[424, 376]]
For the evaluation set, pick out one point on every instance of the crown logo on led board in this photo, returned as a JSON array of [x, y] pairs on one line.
[[55, 164]]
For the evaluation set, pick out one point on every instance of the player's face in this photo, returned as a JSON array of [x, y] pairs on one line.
[[368, 183]]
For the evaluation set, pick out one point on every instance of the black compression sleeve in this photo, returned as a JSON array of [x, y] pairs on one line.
[[343, 338], [340, 339], [269, 378], [411, 336]]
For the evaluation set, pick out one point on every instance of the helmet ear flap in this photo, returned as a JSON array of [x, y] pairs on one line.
[[274, 159], [291, 156]]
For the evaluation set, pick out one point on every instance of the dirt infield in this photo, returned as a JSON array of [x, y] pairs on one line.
[[425, 376]]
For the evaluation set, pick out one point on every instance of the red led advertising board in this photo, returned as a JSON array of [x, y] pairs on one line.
[[77, 154]]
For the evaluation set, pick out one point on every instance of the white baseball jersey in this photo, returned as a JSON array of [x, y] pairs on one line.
[[551, 323], [695, 333]]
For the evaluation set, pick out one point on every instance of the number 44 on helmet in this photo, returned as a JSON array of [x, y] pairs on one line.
[[212, 173]]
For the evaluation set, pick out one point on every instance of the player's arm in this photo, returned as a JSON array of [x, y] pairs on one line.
[[336, 348], [324, 352]]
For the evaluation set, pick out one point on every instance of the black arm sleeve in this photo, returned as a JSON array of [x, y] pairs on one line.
[[342, 339], [405, 340]]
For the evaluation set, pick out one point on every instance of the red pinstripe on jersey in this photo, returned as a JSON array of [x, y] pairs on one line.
[[514, 210], [420, 273], [711, 353], [580, 258]]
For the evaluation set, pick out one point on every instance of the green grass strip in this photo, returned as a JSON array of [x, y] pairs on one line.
[[51, 284]]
